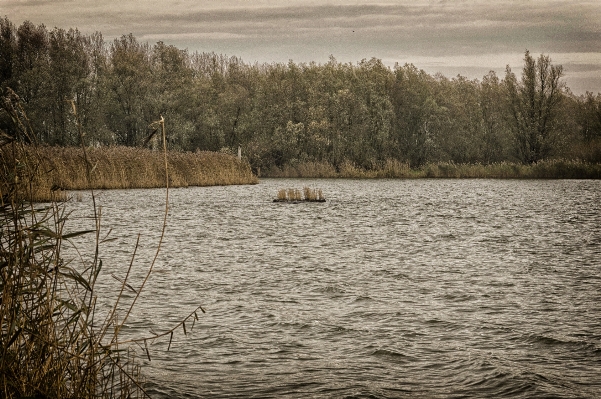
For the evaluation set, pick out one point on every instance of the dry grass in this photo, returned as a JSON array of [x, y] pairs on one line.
[[59, 168], [307, 169], [295, 195], [548, 169], [313, 194], [53, 343], [290, 194]]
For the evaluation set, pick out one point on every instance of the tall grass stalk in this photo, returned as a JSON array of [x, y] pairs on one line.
[[295, 195], [53, 343]]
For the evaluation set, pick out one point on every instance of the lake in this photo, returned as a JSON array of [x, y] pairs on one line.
[[390, 289]]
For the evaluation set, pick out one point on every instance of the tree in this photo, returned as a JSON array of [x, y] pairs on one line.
[[533, 103], [68, 72], [8, 51], [32, 76], [129, 85], [494, 124], [415, 110], [585, 112], [590, 117]]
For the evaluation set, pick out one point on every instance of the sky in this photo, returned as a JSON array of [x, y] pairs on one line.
[[453, 37]]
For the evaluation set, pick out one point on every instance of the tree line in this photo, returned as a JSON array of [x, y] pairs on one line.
[[284, 114]]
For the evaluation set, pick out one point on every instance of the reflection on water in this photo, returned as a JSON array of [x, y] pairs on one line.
[[392, 288]]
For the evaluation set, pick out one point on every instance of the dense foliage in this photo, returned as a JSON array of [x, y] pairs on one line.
[[364, 114]]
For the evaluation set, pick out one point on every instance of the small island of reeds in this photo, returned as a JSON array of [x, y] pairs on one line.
[[294, 195]]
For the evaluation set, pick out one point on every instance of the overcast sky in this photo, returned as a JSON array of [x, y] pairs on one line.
[[467, 37]]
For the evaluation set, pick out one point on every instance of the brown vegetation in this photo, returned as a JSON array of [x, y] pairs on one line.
[[295, 195], [53, 343], [63, 168], [549, 169]]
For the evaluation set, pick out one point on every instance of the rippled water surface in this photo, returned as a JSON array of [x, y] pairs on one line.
[[392, 288]]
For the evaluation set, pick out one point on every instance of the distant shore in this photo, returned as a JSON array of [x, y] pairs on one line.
[[548, 169], [60, 169]]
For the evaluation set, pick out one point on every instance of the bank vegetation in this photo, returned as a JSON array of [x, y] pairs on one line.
[[54, 341], [544, 169], [60, 169], [331, 118]]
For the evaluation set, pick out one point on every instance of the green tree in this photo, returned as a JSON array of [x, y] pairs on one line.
[[590, 116], [93, 101], [68, 71], [495, 134], [172, 90], [533, 103], [415, 109], [8, 52], [587, 145], [130, 107], [31, 79]]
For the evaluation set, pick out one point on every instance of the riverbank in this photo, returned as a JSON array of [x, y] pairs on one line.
[[549, 169], [58, 169]]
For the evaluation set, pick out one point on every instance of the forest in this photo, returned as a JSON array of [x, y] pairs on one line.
[[289, 114]]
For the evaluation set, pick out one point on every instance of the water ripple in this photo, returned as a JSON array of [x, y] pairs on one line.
[[391, 289]]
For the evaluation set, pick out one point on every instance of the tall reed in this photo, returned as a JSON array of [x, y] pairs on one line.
[[53, 343], [547, 169], [60, 168], [295, 195]]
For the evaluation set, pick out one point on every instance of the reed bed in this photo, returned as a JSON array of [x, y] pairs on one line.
[[548, 169], [313, 194], [62, 168], [53, 343], [127, 167]]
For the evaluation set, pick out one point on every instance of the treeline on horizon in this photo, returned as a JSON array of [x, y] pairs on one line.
[[285, 115]]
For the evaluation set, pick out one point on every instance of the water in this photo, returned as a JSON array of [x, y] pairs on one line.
[[392, 288]]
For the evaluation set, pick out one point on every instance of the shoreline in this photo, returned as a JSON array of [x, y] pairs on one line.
[[547, 169]]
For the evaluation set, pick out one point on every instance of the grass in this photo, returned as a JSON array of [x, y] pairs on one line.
[[62, 168], [53, 342], [547, 169], [313, 194]]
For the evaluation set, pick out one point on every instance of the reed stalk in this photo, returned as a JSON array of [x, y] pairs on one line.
[[295, 195], [52, 342]]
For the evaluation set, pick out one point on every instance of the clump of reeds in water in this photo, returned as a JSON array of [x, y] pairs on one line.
[[295, 195], [313, 194]]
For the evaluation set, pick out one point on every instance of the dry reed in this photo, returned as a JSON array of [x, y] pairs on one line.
[[52, 343], [295, 195], [60, 168], [547, 169]]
